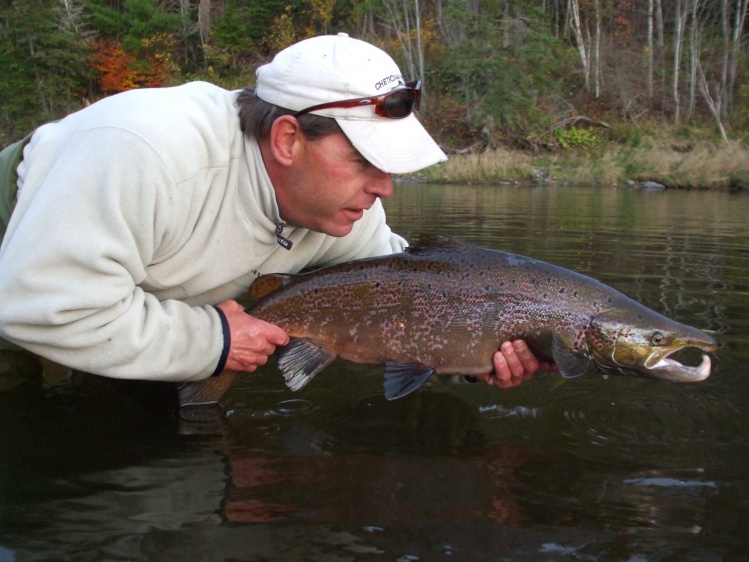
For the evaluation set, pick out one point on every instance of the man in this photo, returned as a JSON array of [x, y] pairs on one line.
[[135, 215]]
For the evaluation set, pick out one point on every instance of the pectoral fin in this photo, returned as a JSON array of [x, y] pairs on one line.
[[404, 378], [570, 363], [301, 360]]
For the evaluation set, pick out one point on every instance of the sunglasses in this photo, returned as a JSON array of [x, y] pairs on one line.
[[397, 104]]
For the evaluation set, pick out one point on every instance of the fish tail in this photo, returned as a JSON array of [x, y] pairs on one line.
[[206, 392]]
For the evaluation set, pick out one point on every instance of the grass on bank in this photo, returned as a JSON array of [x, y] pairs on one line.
[[681, 159]]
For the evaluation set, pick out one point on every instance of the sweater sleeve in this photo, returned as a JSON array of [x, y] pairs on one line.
[[94, 211]]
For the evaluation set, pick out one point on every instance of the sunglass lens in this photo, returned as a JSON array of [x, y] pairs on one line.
[[399, 104]]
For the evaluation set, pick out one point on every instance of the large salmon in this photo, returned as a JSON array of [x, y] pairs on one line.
[[444, 307]]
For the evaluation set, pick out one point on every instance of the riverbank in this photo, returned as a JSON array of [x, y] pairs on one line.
[[671, 161]]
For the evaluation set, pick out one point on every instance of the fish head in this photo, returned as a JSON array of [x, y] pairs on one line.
[[640, 342]]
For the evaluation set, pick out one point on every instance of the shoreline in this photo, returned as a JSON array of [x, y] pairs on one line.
[[652, 162]]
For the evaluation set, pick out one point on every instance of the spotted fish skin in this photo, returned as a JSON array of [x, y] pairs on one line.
[[444, 306]]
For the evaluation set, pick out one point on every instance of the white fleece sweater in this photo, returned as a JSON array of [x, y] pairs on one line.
[[136, 214]]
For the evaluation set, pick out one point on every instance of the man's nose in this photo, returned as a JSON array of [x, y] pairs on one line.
[[380, 184]]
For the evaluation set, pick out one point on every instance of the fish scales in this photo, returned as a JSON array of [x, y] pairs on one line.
[[450, 310], [444, 306]]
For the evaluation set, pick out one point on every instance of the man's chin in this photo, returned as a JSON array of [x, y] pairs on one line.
[[340, 231], [343, 226]]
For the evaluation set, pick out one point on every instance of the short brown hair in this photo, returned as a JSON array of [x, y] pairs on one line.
[[256, 117]]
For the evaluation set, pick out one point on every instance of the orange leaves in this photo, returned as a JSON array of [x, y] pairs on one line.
[[120, 70], [115, 66]]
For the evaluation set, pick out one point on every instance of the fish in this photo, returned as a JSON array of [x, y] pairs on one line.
[[444, 306]]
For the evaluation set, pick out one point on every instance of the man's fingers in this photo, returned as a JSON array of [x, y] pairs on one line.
[[276, 336], [513, 359], [528, 362], [514, 363], [501, 367]]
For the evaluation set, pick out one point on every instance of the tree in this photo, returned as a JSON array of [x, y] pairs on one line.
[[115, 65], [43, 48], [581, 33], [229, 40], [680, 16]]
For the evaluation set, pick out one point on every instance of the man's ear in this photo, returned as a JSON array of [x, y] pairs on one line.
[[285, 139]]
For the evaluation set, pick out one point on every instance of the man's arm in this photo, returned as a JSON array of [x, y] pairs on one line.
[[251, 340], [73, 258]]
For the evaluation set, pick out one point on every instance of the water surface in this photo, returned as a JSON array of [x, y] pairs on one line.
[[586, 469]]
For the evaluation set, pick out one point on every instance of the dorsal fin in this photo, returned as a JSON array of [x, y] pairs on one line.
[[267, 284], [424, 242]]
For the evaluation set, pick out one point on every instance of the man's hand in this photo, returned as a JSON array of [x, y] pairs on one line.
[[513, 364], [252, 340]]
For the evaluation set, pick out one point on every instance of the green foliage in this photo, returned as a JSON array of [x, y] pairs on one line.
[[146, 19], [624, 134], [502, 66], [229, 40], [497, 66], [261, 16], [108, 20], [43, 52], [577, 137]]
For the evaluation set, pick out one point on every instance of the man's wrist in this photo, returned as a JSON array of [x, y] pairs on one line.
[[227, 343]]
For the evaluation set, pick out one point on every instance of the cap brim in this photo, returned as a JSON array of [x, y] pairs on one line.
[[395, 146]]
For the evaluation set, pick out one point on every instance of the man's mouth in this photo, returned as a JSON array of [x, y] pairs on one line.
[[354, 214]]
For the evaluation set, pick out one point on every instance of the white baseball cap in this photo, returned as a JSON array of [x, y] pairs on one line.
[[332, 68]]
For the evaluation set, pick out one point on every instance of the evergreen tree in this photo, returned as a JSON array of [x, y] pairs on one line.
[[43, 48]]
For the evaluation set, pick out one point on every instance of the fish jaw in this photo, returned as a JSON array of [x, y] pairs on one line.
[[661, 366], [671, 370], [641, 345]]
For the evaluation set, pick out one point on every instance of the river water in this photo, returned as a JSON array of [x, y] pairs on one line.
[[586, 469]]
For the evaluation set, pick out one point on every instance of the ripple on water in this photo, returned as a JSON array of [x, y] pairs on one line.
[[288, 408], [629, 419]]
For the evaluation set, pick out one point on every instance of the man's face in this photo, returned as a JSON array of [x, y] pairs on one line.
[[330, 185]]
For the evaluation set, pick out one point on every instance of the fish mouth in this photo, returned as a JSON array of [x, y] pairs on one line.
[[671, 370], [663, 367]]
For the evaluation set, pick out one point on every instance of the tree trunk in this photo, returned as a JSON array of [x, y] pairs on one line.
[[694, 57], [678, 42], [574, 11], [739, 20], [204, 21], [420, 53], [649, 78], [726, 28], [597, 66], [713, 103]]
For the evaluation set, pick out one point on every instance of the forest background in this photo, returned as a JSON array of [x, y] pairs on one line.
[[599, 91]]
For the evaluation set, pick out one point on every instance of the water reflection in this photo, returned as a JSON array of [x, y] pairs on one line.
[[380, 470], [591, 469]]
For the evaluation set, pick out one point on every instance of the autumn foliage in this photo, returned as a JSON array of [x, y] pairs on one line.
[[120, 70]]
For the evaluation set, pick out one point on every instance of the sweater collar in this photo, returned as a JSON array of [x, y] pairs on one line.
[[260, 198], [262, 192]]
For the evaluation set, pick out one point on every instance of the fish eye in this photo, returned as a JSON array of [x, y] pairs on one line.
[[657, 338]]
